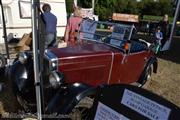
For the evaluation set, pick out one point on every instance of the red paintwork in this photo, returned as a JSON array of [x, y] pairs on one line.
[[91, 64]]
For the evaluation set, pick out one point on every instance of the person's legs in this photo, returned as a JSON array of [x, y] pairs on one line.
[[49, 39], [54, 42]]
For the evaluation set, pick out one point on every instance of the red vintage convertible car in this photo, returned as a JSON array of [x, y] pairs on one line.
[[104, 57], [106, 53]]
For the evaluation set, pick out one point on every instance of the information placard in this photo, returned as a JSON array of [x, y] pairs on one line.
[[145, 106], [106, 113]]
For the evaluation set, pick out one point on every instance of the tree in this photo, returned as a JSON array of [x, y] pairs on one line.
[[69, 6], [105, 8], [85, 3]]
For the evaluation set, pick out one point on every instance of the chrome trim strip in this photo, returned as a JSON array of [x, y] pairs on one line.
[[51, 57], [124, 56], [110, 71], [138, 52]]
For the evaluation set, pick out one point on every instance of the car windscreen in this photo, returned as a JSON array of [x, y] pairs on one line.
[[113, 34]]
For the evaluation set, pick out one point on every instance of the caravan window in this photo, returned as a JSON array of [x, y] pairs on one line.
[[5, 16], [25, 9]]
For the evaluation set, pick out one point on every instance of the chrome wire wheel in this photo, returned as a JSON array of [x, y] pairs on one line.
[[2, 61], [82, 109]]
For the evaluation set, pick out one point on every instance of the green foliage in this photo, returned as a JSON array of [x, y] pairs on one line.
[[155, 18], [157, 8], [85, 3], [69, 6], [105, 8]]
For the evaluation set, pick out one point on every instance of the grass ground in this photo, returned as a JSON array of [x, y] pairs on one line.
[[167, 81]]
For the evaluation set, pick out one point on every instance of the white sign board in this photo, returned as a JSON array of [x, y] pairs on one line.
[[87, 13], [106, 113], [145, 106]]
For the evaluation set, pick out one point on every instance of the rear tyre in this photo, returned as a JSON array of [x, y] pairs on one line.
[[147, 76]]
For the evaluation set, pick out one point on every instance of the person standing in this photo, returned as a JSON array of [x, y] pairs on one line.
[[164, 25], [159, 37], [50, 26], [73, 27]]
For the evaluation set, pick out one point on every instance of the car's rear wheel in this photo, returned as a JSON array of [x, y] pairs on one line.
[[146, 78], [82, 109]]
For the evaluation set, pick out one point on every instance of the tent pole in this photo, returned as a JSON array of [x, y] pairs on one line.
[[34, 18], [174, 21], [5, 34]]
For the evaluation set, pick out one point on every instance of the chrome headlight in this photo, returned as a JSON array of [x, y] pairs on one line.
[[53, 65], [52, 60], [23, 57], [56, 79]]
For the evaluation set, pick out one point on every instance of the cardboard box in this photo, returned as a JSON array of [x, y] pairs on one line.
[[62, 45], [25, 40], [23, 48]]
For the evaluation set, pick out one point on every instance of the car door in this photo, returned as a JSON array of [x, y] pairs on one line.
[[134, 62]]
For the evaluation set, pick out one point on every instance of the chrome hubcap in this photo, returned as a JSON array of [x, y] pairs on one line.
[[1, 63]]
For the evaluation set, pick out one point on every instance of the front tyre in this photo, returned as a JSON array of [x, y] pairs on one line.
[[2, 61], [2, 64], [82, 109]]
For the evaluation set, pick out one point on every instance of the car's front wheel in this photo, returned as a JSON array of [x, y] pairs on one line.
[[2, 61], [82, 109]]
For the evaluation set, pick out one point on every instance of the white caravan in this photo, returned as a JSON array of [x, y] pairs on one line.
[[17, 16]]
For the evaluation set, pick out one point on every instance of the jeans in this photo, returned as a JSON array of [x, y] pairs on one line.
[[50, 40]]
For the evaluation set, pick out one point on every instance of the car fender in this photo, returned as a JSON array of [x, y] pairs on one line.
[[152, 61], [66, 99], [19, 75]]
